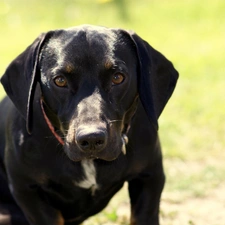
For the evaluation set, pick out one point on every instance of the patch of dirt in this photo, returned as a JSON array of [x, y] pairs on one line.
[[209, 210]]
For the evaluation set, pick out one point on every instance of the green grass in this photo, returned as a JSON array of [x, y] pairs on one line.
[[191, 33]]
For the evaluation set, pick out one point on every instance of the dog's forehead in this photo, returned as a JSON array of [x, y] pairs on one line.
[[93, 36], [87, 48], [93, 33], [86, 41]]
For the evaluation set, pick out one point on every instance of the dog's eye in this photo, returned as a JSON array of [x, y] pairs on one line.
[[60, 81], [117, 78]]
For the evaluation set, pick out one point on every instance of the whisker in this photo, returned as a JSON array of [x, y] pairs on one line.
[[113, 121]]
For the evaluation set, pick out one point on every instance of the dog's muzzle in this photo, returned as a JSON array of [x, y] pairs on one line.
[[90, 140]]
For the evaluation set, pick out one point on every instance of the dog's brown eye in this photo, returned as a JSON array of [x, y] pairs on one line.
[[60, 81], [117, 78]]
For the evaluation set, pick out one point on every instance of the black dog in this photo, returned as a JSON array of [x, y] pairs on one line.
[[80, 120]]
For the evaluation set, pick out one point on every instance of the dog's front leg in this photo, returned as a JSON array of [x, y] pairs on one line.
[[145, 192], [36, 211]]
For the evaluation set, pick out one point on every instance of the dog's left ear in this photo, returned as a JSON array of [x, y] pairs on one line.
[[157, 78], [20, 78]]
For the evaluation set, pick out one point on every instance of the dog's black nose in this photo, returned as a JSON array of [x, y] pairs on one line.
[[91, 139]]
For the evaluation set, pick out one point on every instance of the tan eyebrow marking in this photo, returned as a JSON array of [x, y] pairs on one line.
[[108, 64], [69, 68]]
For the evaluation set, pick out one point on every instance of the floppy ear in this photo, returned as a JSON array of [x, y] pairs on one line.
[[20, 78], [157, 78]]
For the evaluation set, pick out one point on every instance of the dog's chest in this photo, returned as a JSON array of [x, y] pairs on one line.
[[88, 180]]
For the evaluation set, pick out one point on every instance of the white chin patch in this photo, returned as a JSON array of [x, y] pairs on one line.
[[125, 141]]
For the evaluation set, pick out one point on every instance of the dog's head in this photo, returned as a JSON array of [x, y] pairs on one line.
[[90, 80]]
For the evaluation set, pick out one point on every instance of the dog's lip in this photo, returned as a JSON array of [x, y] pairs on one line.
[[101, 157], [93, 156]]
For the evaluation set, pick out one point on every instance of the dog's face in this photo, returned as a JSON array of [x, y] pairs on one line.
[[91, 79], [89, 85]]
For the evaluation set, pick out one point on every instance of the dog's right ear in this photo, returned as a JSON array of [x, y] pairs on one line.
[[20, 78]]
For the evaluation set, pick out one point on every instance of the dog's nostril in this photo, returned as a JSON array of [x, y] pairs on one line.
[[84, 143], [91, 140]]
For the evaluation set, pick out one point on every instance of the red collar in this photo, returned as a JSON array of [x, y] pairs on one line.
[[60, 140]]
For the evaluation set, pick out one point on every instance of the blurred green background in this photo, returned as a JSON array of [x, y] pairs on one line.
[[191, 33]]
